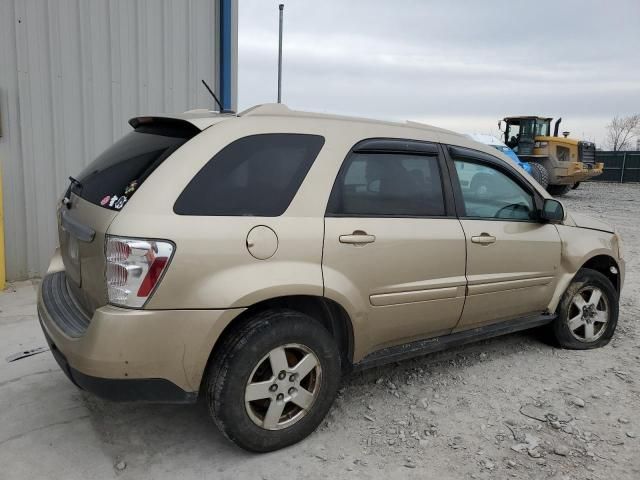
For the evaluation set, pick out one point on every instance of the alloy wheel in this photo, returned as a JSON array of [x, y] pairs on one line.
[[588, 314], [283, 387]]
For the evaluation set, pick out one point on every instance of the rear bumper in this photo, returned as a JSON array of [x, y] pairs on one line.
[[119, 390], [123, 354]]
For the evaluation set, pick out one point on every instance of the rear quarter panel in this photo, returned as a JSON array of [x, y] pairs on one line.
[[212, 267]]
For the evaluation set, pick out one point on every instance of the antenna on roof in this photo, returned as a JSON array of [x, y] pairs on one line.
[[222, 109]]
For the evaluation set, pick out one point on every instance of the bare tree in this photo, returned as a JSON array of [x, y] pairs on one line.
[[621, 131]]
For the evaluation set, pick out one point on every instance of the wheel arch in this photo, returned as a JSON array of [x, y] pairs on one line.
[[598, 261], [328, 312], [602, 263]]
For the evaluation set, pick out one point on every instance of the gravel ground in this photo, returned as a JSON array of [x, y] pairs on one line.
[[511, 407]]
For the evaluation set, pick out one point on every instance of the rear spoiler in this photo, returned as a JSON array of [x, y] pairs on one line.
[[173, 127]]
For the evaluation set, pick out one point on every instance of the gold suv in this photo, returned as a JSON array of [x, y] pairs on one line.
[[254, 259]]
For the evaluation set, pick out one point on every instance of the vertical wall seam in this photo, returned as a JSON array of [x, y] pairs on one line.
[[44, 207], [83, 120], [110, 67], [14, 195], [26, 127]]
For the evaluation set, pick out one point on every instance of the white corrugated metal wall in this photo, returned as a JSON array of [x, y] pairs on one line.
[[72, 73]]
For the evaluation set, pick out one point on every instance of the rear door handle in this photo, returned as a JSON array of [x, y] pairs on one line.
[[357, 238], [484, 239]]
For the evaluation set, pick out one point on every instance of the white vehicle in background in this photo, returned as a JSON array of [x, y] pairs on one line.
[[537, 171]]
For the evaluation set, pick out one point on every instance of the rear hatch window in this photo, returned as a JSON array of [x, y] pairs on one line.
[[112, 178]]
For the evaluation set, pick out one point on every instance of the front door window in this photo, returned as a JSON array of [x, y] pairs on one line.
[[489, 193]]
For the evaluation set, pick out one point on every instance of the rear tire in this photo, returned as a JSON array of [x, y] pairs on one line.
[[587, 313], [558, 190], [273, 381], [540, 174], [575, 185]]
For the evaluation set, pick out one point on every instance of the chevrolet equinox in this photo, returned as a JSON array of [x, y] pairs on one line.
[[254, 259]]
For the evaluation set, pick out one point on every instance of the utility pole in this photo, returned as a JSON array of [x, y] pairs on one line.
[[281, 7]]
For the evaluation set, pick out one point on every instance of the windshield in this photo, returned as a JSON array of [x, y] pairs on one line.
[[542, 128]]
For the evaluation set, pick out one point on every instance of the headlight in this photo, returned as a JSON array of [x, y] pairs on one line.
[[541, 144]]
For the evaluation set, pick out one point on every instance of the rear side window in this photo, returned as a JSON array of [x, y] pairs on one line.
[[390, 184], [112, 178], [256, 175]]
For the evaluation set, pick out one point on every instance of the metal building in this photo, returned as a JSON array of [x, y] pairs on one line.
[[72, 72]]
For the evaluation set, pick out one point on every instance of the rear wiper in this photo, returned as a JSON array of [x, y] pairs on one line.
[[75, 182], [67, 197]]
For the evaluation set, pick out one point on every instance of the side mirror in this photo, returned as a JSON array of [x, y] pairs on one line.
[[552, 211]]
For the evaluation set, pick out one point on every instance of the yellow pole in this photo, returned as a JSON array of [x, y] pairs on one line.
[[2, 264]]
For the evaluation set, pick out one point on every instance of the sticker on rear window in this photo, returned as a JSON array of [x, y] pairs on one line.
[[120, 203], [125, 165], [131, 188], [105, 200]]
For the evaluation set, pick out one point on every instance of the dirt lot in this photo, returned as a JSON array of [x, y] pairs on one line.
[[512, 407]]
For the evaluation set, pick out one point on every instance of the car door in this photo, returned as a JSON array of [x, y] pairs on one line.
[[512, 257], [394, 251]]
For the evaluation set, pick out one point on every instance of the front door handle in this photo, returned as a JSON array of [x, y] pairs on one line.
[[358, 237], [484, 239]]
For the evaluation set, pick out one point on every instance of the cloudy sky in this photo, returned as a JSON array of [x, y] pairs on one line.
[[455, 64]]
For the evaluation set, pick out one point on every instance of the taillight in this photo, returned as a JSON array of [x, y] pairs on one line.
[[134, 269]]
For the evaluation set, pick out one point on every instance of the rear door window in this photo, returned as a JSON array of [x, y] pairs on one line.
[[388, 184], [112, 178], [256, 175]]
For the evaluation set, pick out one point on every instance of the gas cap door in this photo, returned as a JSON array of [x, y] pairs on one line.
[[262, 242]]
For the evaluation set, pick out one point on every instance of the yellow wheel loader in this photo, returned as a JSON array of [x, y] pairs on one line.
[[566, 160]]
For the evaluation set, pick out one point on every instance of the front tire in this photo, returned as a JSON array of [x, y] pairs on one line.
[[274, 380], [587, 313], [575, 185]]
